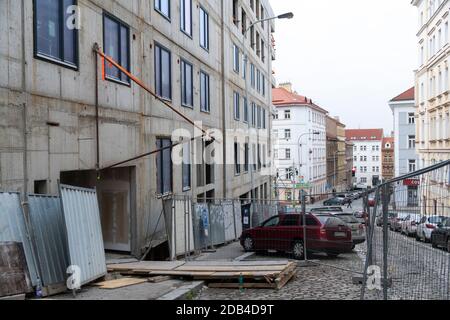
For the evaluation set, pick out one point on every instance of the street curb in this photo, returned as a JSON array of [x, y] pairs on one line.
[[244, 256], [184, 292]]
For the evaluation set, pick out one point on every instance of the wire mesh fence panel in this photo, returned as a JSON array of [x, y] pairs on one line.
[[410, 244]]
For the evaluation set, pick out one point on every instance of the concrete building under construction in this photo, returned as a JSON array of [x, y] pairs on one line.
[[60, 121]]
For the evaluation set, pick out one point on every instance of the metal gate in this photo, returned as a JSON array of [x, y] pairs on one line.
[[409, 241]]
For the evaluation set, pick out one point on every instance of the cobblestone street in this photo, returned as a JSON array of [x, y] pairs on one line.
[[316, 282]]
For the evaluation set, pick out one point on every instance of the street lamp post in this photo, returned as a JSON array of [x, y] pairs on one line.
[[288, 15], [300, 147], [303, 194]]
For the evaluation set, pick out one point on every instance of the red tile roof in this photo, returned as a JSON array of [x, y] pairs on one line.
[[282, 97], [405, 96], [364, 134]]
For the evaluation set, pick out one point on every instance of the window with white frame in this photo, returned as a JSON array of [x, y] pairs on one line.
[[411, 118], [412, 165], [411, 142], [287, 114], [287, 134], [288, 154]]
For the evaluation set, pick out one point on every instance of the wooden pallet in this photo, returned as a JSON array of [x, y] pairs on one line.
[[276, 282], [223, 274]]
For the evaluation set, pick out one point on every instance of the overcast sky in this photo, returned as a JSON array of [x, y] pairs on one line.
[[350, 56]]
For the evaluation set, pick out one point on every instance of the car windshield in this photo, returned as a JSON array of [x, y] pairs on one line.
[[333, 222], [436, 220], [347, 218], [323, 219], [403, 216]]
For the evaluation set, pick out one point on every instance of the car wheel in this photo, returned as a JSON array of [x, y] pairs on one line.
[[433, 243], [298, 250], [353, 247], [417, 237], [248, 244]]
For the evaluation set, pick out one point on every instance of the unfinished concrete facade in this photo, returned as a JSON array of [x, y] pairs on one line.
[[48, 109]]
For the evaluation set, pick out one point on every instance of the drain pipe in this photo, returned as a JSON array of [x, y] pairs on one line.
[[224, 122], [25, 204], [97, 163]]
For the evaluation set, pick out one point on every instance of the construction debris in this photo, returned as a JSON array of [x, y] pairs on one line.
[[236, 274], [119, 283]]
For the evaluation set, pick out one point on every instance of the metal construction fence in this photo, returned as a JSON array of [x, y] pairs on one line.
[[57, 232], [195, 226], [408, 252]]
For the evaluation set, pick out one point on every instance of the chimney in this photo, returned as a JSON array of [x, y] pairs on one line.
[[287, 86]]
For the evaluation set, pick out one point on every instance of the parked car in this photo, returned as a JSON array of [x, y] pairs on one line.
[[396, 222], [346, 199], [409, 226], [361, 216], [327, 209], [371, 201], [440, 237], [358, 229], [334, 202], [426, 227], [284, 233], [379, 219]]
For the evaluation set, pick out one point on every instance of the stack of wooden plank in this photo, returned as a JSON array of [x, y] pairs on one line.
[[218, 274]]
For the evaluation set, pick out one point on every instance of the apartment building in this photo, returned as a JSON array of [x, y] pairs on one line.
[[350, 179], [367, 146], [300, 152], [337, 178], [62, 121], [406, 157], [432, 98], [432, 82]]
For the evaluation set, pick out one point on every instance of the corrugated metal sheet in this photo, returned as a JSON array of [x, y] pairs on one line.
[[200, 239], [238, 217], [184, 231], [14, 229], [217, 224], [48, 227], [84, 232], [228, 216]]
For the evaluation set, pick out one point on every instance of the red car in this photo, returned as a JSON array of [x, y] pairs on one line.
[[284, 233]]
